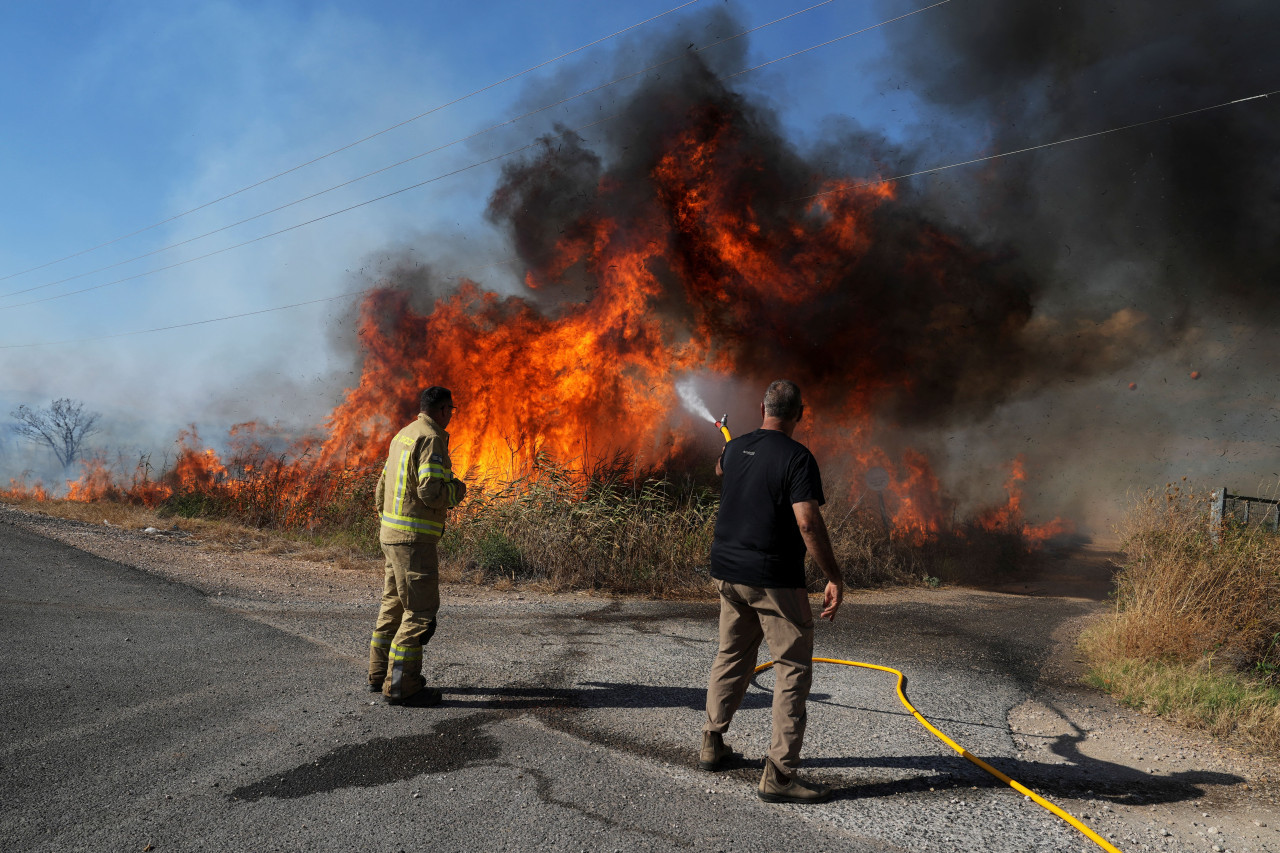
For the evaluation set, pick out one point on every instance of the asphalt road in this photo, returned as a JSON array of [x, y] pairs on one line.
[[141, 714]]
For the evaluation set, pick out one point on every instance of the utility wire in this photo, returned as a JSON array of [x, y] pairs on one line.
[[838, 38], [878, 182], [234, 316], [799, 198], [192, 323], [351, 144], [845, 188], [411, 159], [298, 225]]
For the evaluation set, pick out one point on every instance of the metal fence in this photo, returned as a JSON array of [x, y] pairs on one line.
[[1242, 511]]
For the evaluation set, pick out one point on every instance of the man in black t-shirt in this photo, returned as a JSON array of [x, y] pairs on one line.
[[768, 519]]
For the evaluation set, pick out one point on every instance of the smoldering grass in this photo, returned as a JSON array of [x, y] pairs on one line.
[[873, 553]]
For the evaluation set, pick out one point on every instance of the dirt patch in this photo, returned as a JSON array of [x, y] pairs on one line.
[[1083, 573]]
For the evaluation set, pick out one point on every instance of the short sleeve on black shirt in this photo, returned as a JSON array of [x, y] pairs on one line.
[[757, 540], [805, 481]]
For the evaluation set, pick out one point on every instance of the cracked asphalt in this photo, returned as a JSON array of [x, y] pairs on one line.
[[143, 713]]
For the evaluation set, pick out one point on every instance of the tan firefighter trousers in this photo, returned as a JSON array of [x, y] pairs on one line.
[[410, 600], [784, 619]]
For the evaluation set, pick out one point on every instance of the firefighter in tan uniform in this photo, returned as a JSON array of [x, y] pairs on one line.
[[416, 490]]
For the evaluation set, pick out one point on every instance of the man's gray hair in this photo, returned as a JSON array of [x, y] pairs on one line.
[[782, 400]]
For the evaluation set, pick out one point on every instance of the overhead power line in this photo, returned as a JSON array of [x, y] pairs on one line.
[[430, 180], [300, 224], [839, 38], [845, 188], [204, 322], [351, 145], [1030, 148], [192, 323], [395, 192], [419, 156]]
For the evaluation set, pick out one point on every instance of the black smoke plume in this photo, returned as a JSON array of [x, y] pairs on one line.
[[1190, 206], [930, 323], [1015, 297]]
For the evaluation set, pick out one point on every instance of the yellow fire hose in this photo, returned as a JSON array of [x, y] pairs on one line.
[[1097, 839], [723, 426], [1017, 786]]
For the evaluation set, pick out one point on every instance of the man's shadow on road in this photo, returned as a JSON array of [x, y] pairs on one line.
[[591, 694], [1080, 775], [456, 742]]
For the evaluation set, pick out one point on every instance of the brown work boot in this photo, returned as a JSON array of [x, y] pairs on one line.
[[379, 652], [424, 698], [714, 753], [778, 787]]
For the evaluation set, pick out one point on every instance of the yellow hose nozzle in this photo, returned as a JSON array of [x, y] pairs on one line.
[[723, 426]]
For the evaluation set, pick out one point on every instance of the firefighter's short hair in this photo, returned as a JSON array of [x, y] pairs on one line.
[[433, 398], [782, 400]]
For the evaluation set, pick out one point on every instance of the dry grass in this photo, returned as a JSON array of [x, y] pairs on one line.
[[611, 528], [620, 535], [1195, 633], [214, 534], [1197, 696], [652, 536], [117, 514]]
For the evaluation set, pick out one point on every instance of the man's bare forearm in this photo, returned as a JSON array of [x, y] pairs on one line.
[[813, 529], [820, 547]]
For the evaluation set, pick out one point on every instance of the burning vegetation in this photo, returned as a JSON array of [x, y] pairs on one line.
[[707, 246], [691, 241]]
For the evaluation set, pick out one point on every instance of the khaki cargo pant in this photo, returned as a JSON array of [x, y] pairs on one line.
[[784, 619], [407, 619]]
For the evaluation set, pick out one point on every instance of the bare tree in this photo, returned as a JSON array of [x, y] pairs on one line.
[[62, 427]]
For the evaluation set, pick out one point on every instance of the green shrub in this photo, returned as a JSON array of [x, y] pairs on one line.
[[494, 553], [192, 505]]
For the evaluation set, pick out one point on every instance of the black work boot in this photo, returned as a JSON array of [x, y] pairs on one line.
[[424, 698], [715, 754], [778, 787]]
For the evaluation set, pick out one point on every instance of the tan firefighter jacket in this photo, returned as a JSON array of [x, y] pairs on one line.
[[417, 486]]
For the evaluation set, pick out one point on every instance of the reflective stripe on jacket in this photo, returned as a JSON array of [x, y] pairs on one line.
[[417, 486]]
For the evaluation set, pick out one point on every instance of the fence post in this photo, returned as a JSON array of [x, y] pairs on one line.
[[1217, 506]]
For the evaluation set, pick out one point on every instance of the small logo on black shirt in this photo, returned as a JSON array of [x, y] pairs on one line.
[[748, 453]]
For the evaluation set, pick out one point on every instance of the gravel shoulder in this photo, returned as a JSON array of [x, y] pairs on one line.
[[1064, 722], [1143, 783]]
